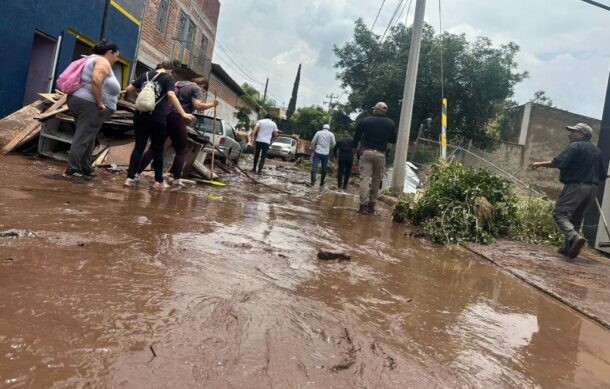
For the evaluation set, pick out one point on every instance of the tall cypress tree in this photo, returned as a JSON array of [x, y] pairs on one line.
[[295, 90]]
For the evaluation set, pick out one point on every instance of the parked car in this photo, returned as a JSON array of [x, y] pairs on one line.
[[284, 147], [226, 141]]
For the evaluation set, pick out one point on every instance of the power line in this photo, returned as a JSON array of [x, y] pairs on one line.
[[391, 20], [595, 3], [376, 17], [235, 63]]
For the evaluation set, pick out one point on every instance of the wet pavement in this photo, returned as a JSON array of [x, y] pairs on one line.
[[209, 287]]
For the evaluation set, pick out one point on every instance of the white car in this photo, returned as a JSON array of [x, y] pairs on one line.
[[284, 147]]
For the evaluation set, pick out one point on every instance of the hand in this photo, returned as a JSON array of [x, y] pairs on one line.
[[188, 117], [215, 102], [534, 165], [101, 107]]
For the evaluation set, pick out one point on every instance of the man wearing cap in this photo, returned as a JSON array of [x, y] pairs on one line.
[[321, 144], [375, 131], [581, 169]]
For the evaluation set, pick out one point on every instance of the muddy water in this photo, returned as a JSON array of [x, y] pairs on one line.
[[221, 288]]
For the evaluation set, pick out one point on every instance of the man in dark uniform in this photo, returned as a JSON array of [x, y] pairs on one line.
[[345, 158], [581, 170], [376, 132]]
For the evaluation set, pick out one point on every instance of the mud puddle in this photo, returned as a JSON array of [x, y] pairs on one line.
[[221, 288]]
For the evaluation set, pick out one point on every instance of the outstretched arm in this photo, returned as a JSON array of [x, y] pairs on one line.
[[536, 165]]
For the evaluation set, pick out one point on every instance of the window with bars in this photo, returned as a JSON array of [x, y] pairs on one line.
[[162, 14]]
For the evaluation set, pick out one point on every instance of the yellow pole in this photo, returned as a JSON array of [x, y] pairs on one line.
[[444, 131]]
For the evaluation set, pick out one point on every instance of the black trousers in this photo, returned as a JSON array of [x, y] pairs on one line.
[[145, 128], [344, 171], [261, 152]]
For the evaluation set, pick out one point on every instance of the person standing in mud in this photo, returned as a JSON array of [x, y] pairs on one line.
[[375, 132], [581, 170], [264, 131], [191, 97], [322, 142], [344, 153], [153, 124], [91, 106]]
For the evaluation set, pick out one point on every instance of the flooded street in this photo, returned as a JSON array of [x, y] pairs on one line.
[[207, 287]]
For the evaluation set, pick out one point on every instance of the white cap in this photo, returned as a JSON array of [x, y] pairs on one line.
[[326, 127]]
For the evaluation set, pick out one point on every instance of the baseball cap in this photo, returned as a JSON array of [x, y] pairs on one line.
[[381, 106], [326, 127], [582, 128]]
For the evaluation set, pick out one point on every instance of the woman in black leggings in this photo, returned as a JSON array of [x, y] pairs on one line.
[[191, 97], [153, 124]]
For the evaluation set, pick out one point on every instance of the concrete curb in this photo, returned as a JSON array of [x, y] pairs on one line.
[[543, 289]]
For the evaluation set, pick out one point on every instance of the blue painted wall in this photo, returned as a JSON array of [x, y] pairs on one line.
[[21, 18]]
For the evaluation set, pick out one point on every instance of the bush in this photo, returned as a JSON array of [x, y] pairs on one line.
[[462, 204], [535, 223]]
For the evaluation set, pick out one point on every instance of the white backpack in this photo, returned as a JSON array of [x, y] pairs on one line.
[[145, 102]]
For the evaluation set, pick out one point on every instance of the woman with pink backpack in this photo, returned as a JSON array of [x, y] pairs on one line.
[[92, 100]]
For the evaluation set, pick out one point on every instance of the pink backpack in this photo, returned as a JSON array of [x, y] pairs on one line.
[[70, 80]]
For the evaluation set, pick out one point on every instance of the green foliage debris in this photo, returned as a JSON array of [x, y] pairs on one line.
[[463, 204]]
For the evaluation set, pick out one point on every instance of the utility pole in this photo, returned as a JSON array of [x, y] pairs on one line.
[[264, 97], [408, 97], [330, 106]]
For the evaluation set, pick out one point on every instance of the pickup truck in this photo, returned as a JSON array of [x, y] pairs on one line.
[[289, 147]]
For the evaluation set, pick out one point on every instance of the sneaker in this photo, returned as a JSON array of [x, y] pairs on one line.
[[76, 175], [563, 250], [137, 177], [130, 182], [178, 183], [160, 185], [91, 173], [577, 244], [371, 207]]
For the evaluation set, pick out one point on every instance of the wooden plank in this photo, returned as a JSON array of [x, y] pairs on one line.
[[52, 97], [47, 114], [35, 126], [100, 158], [20, 137]]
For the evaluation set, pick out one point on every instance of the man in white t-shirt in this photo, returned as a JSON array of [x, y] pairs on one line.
[[321, 144], [264, 131]]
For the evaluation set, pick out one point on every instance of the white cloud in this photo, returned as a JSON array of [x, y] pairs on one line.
[[563, 45]]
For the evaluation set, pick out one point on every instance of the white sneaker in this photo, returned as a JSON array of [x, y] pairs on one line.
[[137, 177], [178, 183], [130, 182], [160, 185]]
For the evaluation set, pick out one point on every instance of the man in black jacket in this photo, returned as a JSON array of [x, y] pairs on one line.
[[376, 132], [581, 170], [344, 153]]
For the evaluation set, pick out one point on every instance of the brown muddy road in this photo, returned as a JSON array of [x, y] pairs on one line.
[[221, 288]]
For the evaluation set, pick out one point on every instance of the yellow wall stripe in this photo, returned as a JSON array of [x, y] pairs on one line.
[[124, 12]]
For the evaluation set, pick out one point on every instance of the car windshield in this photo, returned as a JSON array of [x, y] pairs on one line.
[[285, 141], [203, 124]]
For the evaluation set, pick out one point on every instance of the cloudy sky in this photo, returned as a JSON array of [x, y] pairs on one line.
[[565, 44]]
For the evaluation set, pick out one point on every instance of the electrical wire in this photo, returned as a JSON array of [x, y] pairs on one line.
[[391, 20], [377, 17]]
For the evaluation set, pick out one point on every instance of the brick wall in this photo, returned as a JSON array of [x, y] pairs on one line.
[[156, 46]]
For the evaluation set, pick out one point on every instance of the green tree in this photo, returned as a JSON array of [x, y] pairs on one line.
[[478, 79], [541, 98], [253, 102], [341, 121], [292, 104], [306, 121]]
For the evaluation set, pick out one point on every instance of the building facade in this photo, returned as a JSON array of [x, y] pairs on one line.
[[40, 39], [183, 30], [228, 93]]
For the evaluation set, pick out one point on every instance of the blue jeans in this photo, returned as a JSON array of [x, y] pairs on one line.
[[317, 158]]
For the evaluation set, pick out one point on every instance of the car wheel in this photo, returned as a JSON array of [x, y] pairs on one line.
[[288, 157]]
